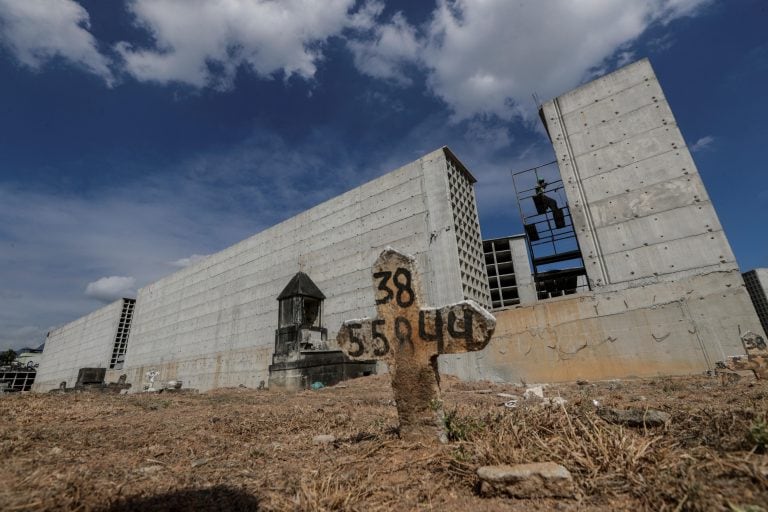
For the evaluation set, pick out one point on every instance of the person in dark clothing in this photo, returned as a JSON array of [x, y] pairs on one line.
[[544, 202]]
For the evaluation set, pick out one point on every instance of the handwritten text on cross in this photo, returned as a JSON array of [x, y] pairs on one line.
[[409, 338]]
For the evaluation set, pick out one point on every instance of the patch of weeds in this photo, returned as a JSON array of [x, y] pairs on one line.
[[671, 386], [460, 428], [153, 405], [460, 454], [435, 404], [758, 435]]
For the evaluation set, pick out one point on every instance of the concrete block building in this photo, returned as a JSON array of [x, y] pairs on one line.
[[665, 294], [757, 284], [212, 324]]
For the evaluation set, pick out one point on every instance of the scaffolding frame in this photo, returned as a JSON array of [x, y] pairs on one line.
[[549, 246]]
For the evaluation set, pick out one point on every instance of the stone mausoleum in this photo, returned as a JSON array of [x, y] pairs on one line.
[[656, 291]]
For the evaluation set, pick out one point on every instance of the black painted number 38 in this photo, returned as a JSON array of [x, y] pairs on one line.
[[402, 281]]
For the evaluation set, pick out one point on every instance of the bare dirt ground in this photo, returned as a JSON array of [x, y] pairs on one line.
[[242, 449]]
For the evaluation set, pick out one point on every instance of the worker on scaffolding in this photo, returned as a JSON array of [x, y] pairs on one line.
[[544, 202]]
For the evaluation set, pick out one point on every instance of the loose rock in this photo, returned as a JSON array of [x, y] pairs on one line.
[[634, 417], [536, 480], [323, 439]]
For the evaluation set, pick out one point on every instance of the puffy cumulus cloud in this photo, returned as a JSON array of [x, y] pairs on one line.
[[203, 42], [190, 260], [36, 31], [487, 57], [108, 289]]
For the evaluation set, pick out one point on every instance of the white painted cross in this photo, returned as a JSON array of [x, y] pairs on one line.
[[409, 338]]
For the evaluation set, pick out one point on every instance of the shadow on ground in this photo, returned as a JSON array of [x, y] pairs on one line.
[[219, 498]]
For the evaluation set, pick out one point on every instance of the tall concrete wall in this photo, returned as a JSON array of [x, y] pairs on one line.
[[639, 206], [212, 324], [85, 343]]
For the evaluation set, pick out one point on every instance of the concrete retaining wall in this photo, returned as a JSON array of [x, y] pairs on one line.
[[657, 329]]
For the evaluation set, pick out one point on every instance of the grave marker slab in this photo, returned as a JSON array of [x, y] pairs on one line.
[[409, 337]]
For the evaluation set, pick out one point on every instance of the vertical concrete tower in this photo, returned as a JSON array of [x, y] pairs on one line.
[[639, 207], [641, 212]]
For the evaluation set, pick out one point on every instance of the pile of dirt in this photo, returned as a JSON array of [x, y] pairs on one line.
[[243, 449]]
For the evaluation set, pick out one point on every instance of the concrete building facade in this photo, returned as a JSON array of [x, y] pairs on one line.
[[666, 293], [88, 342], [509, 271], [756, 281], [212, 324]]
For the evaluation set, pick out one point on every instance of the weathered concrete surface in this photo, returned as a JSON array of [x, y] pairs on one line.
[[534, 480], [639, 207], [658, 329], [212, 324], [409, 337], [86, 342]]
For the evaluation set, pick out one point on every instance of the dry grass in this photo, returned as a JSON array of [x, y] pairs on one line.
[[245, 449]]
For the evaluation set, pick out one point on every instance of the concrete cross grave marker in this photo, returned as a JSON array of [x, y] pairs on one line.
[[409, 337]]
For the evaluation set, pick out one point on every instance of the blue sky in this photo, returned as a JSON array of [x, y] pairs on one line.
[[140, 135]]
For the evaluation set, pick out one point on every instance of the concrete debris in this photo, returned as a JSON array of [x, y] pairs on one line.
[[634, 417], [324, 439], [555, 401], [534, 392], [535, 480], [756, 359], [535, 395], [150, 470]]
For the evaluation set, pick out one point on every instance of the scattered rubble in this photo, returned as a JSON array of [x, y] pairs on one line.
[[324, 439], [634, 417]]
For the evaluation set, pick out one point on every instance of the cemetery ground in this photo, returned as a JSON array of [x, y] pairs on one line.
[[244, 449]]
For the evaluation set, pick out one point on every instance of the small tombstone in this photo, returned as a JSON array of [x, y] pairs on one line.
[[409, 337], [63, 385]]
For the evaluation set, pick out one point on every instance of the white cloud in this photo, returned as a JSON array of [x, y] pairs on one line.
[[487, 57], [38, 30], [392, 46], [108, 289], [194, 37], [703, 143], [190, 260]]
